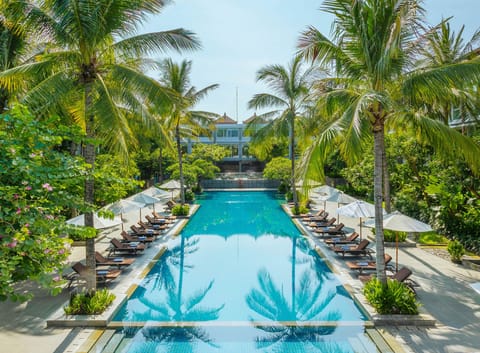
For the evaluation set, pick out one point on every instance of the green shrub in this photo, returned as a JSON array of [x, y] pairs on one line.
[[394, 298], [456, 250], [189, 196], [391, 236], [181, 210], [300, 210], [197, 189], [89, 303]]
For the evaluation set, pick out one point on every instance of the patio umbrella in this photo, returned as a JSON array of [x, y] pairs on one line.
[[145, 199], [98, 222], [155, 192], [124, 206], [171, 185], [323, 192], [360, 209], [398, 222]]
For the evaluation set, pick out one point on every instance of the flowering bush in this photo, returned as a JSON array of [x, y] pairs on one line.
[[36, 181]]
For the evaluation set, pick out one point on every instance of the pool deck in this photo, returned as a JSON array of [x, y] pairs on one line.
[[444, 290]]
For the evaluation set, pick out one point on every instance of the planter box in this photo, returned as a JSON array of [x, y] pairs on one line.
[[471, 262]]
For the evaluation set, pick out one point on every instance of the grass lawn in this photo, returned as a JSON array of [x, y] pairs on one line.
[[432, 238]]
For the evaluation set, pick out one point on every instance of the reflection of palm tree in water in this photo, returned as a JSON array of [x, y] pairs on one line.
[[307, 304], [176, 309]]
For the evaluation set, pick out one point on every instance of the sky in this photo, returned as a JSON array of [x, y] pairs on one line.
[[239, 37]]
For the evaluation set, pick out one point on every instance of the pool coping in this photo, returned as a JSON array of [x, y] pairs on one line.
[[352, 285]]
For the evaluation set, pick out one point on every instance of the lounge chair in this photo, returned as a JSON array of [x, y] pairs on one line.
[[356, 250], [120, 262], [329, 231], [171, 204], [328, 223], [319, 213], [352, 238], [159, 216], [362, 266], [157, 221], [322, 218], [146, 232], [403, 276], [132, 248], [128, 238], [103, 276]]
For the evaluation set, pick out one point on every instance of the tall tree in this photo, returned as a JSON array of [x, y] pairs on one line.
[[94, 72], [291, 87], [179, 116], [373, 86]]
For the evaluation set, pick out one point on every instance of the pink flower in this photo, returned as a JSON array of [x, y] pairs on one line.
[[47, 186], [47, 251], [49, 217], [27, 225], [28, 187], [19, 210], [56, 278], [16, 196], [32, 155], [12, 244], [61, 251]]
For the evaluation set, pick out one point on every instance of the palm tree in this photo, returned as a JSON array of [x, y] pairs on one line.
[[442, 46], [179, 116], [93, 74], [373, 46], [291, 87]]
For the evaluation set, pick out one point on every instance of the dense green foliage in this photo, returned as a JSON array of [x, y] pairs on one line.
[[456, 250], [89, 303], [278, 169], [392, 298], [37, 183], [181, 210]]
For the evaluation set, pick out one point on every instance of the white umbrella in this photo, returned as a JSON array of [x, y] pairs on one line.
[[155, 192], [359, 209], [98, 222], [124, 206], [398, 222], [323, 192], [145, 199], [171, 185]]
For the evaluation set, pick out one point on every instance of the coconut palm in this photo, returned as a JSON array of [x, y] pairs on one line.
[[94, 72], [374, 86], [179, 116], [291, 88], [443, 46]]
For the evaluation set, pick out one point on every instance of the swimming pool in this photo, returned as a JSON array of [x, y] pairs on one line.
[[240, 278]]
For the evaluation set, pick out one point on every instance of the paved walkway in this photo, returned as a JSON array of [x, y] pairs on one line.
[[444, 291]]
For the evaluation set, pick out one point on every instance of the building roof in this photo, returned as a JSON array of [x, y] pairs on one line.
[[254, 116], [225, 120]]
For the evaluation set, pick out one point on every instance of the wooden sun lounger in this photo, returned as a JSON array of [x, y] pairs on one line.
[[119, 262], [136, 238], [352, 238], [103, 276], [355, 250], [132, 248], [362, 266]]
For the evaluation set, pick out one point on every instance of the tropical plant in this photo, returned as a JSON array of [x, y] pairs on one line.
[[291, 89], [181, 210], [374, 43], [36, 186], [278, 168], [393, 298], [89, 303], [92, 75], [456, 250], [179, 116]]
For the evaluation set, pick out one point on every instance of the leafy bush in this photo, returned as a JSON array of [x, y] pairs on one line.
[[89, 303], [394, 298], [197, 189], [456, 250], [189, 196], [300, 210], [391, 236], [181, 210]]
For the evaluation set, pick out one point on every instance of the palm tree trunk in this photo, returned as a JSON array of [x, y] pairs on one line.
[[180, 165], [379, 146], [89, 155], [386, 182], [292, 157], [160, 168]]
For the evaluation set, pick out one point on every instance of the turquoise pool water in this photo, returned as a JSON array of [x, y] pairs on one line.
[[240, 278]]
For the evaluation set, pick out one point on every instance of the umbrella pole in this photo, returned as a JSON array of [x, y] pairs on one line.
[[360, 228], [396, 251], [121, 218]]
